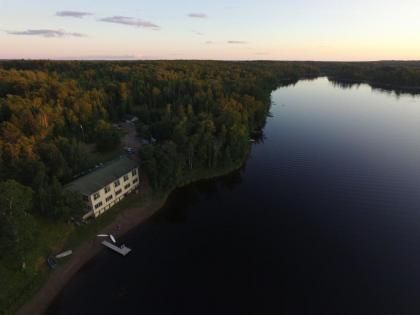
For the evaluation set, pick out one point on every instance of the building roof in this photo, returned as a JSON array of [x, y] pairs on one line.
[[102, 176]]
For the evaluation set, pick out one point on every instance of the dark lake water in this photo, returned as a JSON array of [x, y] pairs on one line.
[[323, 219]]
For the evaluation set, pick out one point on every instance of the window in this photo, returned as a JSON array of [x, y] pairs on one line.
[[117, 183], [127, 186], [125, 178], [85, 198], [134, 172], [109, 198], [96, 196], [98, 205], [118, 192], [107, 189], [135, 180]]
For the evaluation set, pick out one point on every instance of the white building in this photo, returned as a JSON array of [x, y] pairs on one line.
[[106, 186]]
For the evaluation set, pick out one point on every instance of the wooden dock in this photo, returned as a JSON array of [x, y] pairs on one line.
[[123, 250]]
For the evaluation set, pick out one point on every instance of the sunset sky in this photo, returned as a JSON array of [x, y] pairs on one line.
[[217, 29]]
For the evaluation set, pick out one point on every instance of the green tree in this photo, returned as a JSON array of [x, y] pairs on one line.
[[17, 232], [107, 137]]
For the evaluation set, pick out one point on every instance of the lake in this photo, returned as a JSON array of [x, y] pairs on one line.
[[324, 218]]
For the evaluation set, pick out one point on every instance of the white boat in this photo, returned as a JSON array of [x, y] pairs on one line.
[[64, 254], [112, 238], [102, 235]]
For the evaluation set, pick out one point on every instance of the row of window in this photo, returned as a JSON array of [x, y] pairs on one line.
[[117, 183], [117, 192], [98, 205], [109, 198]]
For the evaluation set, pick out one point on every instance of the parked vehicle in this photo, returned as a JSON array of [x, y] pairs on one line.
[[52, 263]]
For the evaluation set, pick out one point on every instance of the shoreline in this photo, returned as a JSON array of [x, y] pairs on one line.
[[381, 86], [125, 221]]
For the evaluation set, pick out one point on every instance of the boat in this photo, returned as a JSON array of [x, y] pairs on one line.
[[102, 235], [64, 254], [112, 238]]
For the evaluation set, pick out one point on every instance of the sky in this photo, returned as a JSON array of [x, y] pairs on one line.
[[217, 29]]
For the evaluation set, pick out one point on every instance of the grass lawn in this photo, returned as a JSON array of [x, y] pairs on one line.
[[18, 284]]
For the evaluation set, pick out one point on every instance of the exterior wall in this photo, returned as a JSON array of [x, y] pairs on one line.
[[106, 200]]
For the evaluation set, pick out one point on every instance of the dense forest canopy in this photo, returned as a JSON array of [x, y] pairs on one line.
[[192, 115], [398, 76]]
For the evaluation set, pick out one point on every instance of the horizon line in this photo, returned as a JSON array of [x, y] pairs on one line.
[[186, 59]]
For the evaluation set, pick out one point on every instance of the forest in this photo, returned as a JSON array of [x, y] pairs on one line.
[[56, 118], [398, 76]]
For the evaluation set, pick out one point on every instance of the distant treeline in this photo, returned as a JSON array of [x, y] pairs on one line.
[[398, 76]]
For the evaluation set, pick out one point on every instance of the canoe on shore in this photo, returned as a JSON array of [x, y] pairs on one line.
[[64, 254]]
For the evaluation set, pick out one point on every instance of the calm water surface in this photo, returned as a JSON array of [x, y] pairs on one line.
[[323, 219]]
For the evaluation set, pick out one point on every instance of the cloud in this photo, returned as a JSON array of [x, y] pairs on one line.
[[45, 33], [74, 14], [130, 21], [198, 33], [237, 42], [198, 15], [209, 42]]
